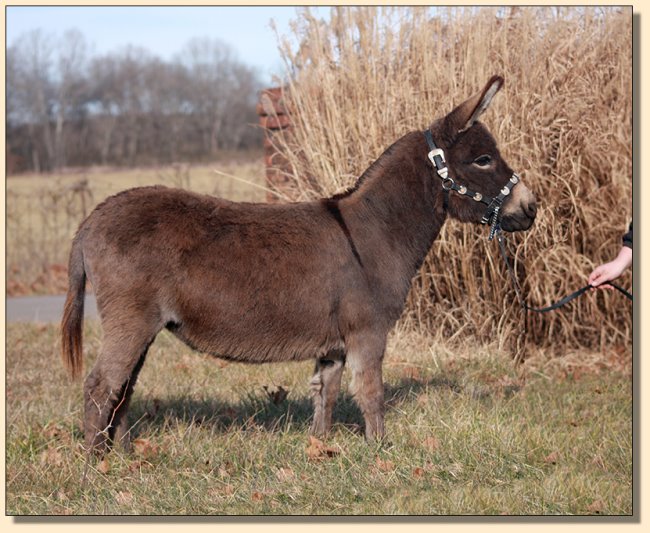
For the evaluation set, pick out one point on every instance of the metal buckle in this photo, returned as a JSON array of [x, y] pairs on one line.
[[437, 152]]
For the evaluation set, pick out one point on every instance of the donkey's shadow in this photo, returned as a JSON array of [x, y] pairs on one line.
[[266, 412]]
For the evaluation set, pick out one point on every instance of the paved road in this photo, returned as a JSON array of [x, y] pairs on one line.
[[43, 308]]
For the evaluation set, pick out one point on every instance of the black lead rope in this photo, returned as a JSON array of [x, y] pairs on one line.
[[559, 303]]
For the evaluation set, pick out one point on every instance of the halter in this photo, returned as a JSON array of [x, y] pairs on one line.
[[491, 215]]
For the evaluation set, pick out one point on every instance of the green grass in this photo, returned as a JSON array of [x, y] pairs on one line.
[[468, 433]]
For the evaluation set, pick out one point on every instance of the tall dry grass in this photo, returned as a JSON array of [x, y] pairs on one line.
[[563, 119]]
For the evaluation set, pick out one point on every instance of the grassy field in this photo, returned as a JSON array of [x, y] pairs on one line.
[[468, 433]]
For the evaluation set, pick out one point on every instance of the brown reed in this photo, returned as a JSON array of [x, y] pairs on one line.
[[563, 119]]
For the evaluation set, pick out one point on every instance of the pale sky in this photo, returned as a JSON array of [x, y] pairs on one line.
[[165, 30]]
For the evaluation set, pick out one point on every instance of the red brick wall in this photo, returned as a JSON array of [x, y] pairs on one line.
[[274, 118]]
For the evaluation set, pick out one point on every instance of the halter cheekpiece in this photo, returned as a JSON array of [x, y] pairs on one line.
[[491, 215]]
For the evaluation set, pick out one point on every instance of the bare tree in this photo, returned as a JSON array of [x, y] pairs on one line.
[[103, 97], [128, 107], [71, 88], [32, 89], [220, 87]]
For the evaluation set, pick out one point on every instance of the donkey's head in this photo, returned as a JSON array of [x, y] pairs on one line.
[[477, 173]]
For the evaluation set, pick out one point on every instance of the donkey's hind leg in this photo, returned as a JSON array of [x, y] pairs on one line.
[[109, 385], [365, 356], [121, 434], [325, 386]]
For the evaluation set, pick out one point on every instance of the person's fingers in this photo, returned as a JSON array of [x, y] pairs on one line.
[[601, 284], [600, 276], [596, 277], [597, 272]]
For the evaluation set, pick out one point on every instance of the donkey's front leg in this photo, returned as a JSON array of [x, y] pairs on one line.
[[365, 353], [325, 386]]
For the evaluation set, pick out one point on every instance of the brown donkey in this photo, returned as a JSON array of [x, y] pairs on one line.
[[257, 283]]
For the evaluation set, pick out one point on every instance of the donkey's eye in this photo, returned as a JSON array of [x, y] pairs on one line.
[[483, 161]]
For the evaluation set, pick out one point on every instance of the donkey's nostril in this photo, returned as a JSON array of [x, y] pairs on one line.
[[531, 209]]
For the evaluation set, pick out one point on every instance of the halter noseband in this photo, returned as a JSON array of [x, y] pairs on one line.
[[491, 215]]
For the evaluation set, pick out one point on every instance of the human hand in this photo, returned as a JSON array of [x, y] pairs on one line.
[[612, 270]]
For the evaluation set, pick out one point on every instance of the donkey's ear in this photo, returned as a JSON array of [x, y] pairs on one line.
[[464, 116]]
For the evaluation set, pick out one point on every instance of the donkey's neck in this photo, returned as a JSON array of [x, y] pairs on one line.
[[394, 213]]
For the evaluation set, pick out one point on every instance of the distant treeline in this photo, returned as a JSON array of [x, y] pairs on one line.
[[68, 107]]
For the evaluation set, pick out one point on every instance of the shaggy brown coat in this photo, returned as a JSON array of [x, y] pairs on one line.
[[256, 283]]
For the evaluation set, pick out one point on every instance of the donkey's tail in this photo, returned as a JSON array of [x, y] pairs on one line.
[[73, 311]]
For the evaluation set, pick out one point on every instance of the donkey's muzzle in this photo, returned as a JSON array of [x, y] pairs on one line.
[[520, 219], [520, 210]]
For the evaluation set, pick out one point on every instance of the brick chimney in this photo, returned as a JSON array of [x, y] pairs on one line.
[[275, 120]]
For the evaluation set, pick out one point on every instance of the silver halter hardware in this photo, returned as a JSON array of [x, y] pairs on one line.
[[491, 215], [442, 171]]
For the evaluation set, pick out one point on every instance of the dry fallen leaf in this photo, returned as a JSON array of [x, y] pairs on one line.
[[51, 456], [454, 470], [317, 450], [552, 458], [285, 474], [423, 399], [597, 507], [431, 443], [124, 497], [138, 465], [52, 431], [418, 472], [222, 491], [277, 396], [384, 466], [145, 448], [257, 496], [104, 467], [412, 372]]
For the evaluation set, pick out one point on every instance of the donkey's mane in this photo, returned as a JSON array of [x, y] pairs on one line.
[[373, 171]]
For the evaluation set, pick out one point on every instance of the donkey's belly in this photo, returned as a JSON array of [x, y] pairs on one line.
[[257, 339]]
